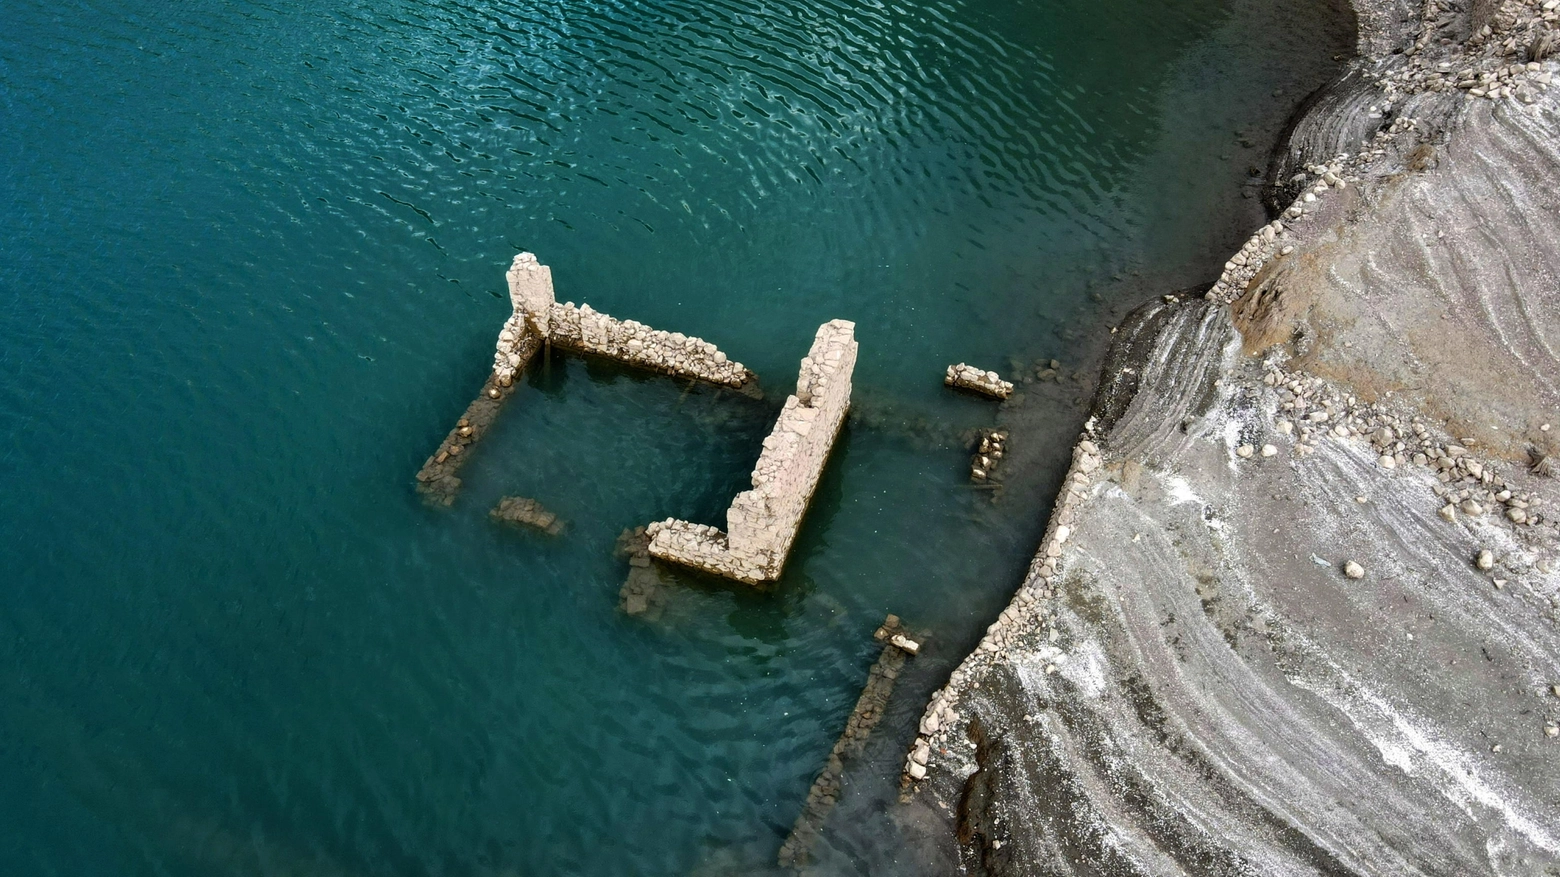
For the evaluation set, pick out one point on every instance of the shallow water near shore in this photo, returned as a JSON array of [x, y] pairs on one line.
[[253, 271]]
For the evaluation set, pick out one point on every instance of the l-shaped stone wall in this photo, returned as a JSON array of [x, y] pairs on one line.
[[763, 522], [538, 319]]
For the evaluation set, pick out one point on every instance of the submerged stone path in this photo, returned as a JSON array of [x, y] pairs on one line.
[[869, 710], [538, 320], [762, 523]]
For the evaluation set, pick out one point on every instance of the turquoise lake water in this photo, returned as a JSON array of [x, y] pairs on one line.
[[252, 271]]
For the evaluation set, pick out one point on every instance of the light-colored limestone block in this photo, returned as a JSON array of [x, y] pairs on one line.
[[968, 377]]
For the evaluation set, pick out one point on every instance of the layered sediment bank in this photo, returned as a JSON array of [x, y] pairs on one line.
[[1298, 607]]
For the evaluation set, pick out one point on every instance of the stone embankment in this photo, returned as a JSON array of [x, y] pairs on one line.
[[1298, 607], [762, 523], [537, 320], [869, 710], [968, 377]]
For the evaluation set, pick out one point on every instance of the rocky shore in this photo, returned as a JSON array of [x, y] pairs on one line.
[[1298, 607]]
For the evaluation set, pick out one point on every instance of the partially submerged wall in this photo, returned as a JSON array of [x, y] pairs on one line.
[[586, 330], [762, 523], [537, 318]]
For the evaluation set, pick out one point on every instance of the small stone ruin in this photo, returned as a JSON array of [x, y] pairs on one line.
[[990, 447], [644, 591]]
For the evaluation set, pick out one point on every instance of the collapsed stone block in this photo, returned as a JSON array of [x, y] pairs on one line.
[[968, 377]]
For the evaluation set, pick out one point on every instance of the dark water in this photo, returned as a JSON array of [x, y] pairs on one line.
[[252, 269]]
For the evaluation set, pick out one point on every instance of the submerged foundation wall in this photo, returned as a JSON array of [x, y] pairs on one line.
[[763, 522]]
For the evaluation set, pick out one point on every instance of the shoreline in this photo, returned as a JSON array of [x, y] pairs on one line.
[[1068, 758]]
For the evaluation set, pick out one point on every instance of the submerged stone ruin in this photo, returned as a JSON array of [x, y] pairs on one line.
[[762, 523], [525, 512], [644, 591], [539, 320], [869, 710]]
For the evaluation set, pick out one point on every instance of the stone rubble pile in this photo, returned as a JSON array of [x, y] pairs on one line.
[[989, 450], [1515, 57], [1504, 59], [938, 736], [526, 512], [762, 523], [967, 377], [1311, 410]]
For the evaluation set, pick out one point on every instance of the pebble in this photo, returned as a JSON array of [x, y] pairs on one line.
[[1354, 570], [1485, 560], [1269, 451], [1245, 451]]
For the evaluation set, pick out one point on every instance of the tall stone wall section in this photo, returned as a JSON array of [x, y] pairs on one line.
[[531, 296], [763, 522]]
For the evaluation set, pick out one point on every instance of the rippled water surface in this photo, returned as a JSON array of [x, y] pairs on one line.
[[252, 269]]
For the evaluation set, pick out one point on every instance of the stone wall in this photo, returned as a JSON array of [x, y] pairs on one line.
[[762, 523], [870, 709], [585, 330]]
